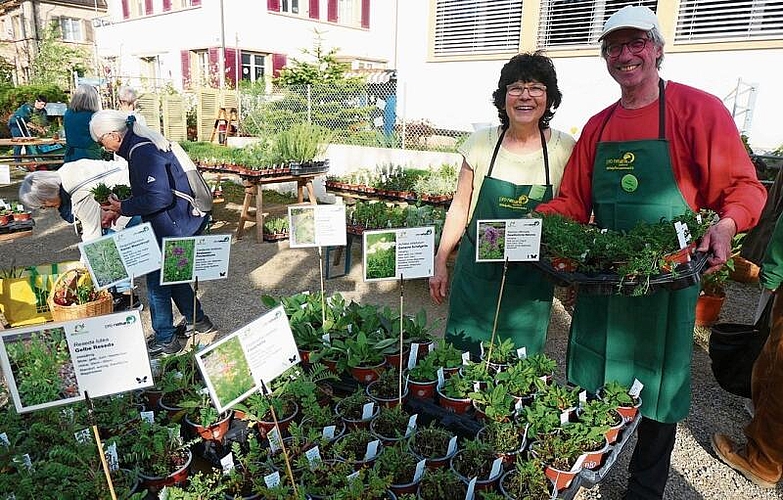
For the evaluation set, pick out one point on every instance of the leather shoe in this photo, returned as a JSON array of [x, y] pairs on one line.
[[736, 457]]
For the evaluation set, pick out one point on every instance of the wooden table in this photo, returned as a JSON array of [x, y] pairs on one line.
[[29, 159], [254, 189]]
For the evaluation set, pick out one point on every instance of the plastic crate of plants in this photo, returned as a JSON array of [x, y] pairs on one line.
[[309, 167]]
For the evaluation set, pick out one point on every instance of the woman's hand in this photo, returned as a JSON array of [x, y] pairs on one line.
[[108, 218], [114, 205], [439, 282]]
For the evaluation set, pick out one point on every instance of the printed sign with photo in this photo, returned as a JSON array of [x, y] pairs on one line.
[[56, 363], [237, 365], [518, 240], [316, 226], [203, 257], [389, 253], [118, 256]]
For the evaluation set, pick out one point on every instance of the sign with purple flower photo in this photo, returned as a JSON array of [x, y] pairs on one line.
[[518, 240], [204, 257]]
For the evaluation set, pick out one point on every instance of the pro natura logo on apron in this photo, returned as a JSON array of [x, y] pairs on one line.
[[625, 162]]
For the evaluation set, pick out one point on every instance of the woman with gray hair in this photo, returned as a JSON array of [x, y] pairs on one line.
[[127, 97], [154, 174], [78, 144]]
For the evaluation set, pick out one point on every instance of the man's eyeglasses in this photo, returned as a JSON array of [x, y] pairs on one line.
[[532, 90], [635, 46]]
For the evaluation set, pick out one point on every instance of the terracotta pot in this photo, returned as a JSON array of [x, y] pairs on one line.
[[367, 374], [629, 412], [614, 431], [357, 423], [401, 489], [481, 484], [22, 216], [744, 271], [564, 265], [458, 406], [176, 477], [393, 360], [708, 309], [422, 389], [674, 259], [386, 440], [283, 421], [214, 432], [387, 402], [508, 457], [173, 412], [561, 479], [5, 219], [448, 372]]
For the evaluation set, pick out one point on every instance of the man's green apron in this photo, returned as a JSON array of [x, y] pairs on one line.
[[527, 296], [651, 337]]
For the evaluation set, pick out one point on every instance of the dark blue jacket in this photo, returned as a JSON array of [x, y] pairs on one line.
[[153, 173]]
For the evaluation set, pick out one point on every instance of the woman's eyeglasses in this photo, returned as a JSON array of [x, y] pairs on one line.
[[532, 90], [635, 46]]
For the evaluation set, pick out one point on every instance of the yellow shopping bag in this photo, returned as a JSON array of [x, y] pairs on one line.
[[23, 292]]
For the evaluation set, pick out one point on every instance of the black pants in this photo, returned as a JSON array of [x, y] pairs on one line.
[[652, 456]]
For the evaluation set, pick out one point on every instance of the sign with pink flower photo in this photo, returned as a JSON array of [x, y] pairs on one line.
[[518, 240], [204, 257]]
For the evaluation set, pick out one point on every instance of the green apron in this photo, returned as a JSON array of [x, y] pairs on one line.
[[651, 337], [527, 296]]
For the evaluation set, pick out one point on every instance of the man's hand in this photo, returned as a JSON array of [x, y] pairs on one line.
[[718, 242], [439, 282], [113, 205], [108, 218]]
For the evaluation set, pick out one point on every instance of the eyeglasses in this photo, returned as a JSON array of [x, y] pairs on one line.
[[635, 46], [100, 139], [532, 90]]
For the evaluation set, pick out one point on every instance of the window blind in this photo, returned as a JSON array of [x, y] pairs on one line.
[[732, 20], [464, 27]]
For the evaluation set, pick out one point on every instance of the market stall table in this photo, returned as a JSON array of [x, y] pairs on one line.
[[36, 157]]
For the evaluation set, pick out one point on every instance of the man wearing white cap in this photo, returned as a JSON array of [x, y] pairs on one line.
[[662, 149]]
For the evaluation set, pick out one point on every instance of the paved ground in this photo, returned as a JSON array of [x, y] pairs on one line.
[[273, 268]]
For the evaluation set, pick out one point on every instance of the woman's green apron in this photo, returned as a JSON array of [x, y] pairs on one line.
[[650, 337], [527, 296]]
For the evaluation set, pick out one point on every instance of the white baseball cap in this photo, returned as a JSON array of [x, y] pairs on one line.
[[631, 16]]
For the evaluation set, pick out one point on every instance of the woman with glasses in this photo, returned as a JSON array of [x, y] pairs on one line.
[[507, 171]]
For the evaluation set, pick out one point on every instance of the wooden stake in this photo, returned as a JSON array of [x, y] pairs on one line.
[[104, 463], [497, 313], [323, 298], [289, 472], [402, 287]]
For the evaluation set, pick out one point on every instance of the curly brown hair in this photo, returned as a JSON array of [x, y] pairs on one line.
[[527, 67]]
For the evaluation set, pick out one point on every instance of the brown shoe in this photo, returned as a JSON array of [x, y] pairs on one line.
[[736, 458]]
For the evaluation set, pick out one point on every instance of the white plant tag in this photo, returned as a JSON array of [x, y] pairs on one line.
[[4, 439], [636, 388], [27, 462], [328, 432], [352, 477], [466, 357], [579, 461], [476, 386], [147, 416], [452, 446], [82, 436], [411, 424], [19, 207], [372, 449], [441, 377], [519, 405], [313, 457], [275, 443], [227, 463], [349, 327], [497, 468], [419, 470], [582, 398], [3, 204], [564, 417], [471, 489], [431, 347], [413, 355], [112, 457], [327, 338], [272, 480], [367, 410], [543, 378], [67, 414], [522, 352], [683, 234]]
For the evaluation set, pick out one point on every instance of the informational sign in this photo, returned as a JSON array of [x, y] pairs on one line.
[[237, 365], [56, 363], [389, 253], [316, 226], [5, 174], [118, 256], [203, 257], [515, 240]]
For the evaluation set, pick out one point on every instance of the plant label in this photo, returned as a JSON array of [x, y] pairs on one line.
[[683, 234], [390, 254], [5, 175], [118, 256], [582, 398], [413, 355], [227, 463], [3, 204], [313, 457], [82, 436], [203, 257], [112, 457], [466, 358], [471, 489], [497, 468], [26, 461], [4, 439], [522, 352], [328, 338], [367, 410], [19, 207], [636, 388], [476, 386], [272, 480], [452, 446], [147, 416], [328, 432], [441, 377], [565, 417], [411, 424], [316, 226], [579, 461], [275, 442], [519, 405], [515, 240], [352, 477], [372, 449], [419, 470]]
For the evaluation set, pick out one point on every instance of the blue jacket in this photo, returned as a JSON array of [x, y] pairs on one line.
[[153, 173]]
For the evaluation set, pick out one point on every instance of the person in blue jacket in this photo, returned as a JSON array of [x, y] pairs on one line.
[[78, 143], [154, 174], [20, 122]]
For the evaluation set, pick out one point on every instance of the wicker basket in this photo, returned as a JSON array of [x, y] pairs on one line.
[[104, 305]]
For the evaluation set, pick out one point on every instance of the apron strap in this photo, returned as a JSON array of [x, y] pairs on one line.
[[546, 156], [661, 113], [495, 153]]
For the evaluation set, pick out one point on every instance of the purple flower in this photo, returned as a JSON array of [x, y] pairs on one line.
[[178, 250], [182, 262], [491, 235]]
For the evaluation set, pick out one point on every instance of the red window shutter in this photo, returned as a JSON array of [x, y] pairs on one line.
[[278, 62], [125, 9], [214, 63], [185, 59], [166, 5], [148, 7], [273, 5], [195, 3], [331, 11], [365, 13], [314, 14], [231, 67]]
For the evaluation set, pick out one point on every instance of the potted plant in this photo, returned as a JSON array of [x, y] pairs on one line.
[[101, 193], [541, 420], [201, 486], [542, 365], [475, 459], [560, 456], [440, 484], [352, 448], [493, 403], [591, 439], [617, 395], [318, 418], [204, 420], [499, 354], [365, 356], [477, 374], [507, 439], [386, 390], [564, 242], [432, 444], [391, 425], [161, 454], [275, 228], [454, 395], [597, 412], [526, 481], [351, 410], [121, 191], [522, 381], [712, 294], [423, 378], [325, 478], [448, 357], [560, 398], [397, 462], [258, 411]]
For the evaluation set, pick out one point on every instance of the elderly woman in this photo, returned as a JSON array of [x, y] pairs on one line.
[[78, 143], [506, 172], [154, 173]]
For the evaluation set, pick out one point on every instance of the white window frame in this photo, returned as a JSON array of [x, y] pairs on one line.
[[291, 6], [349, 12], [479, 27], [252, 67], [72, 29], [708, 21]]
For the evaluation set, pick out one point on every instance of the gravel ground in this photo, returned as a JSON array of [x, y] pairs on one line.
[[273, 268]]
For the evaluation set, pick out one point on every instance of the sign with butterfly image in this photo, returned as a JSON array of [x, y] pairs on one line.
[[56, 363], [204, 257], [239, 364]]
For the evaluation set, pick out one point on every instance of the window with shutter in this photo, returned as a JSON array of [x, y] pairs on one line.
[[71, 29], [314, 9], [290, 6], [729, 20], [569, 24], [477, 27]]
